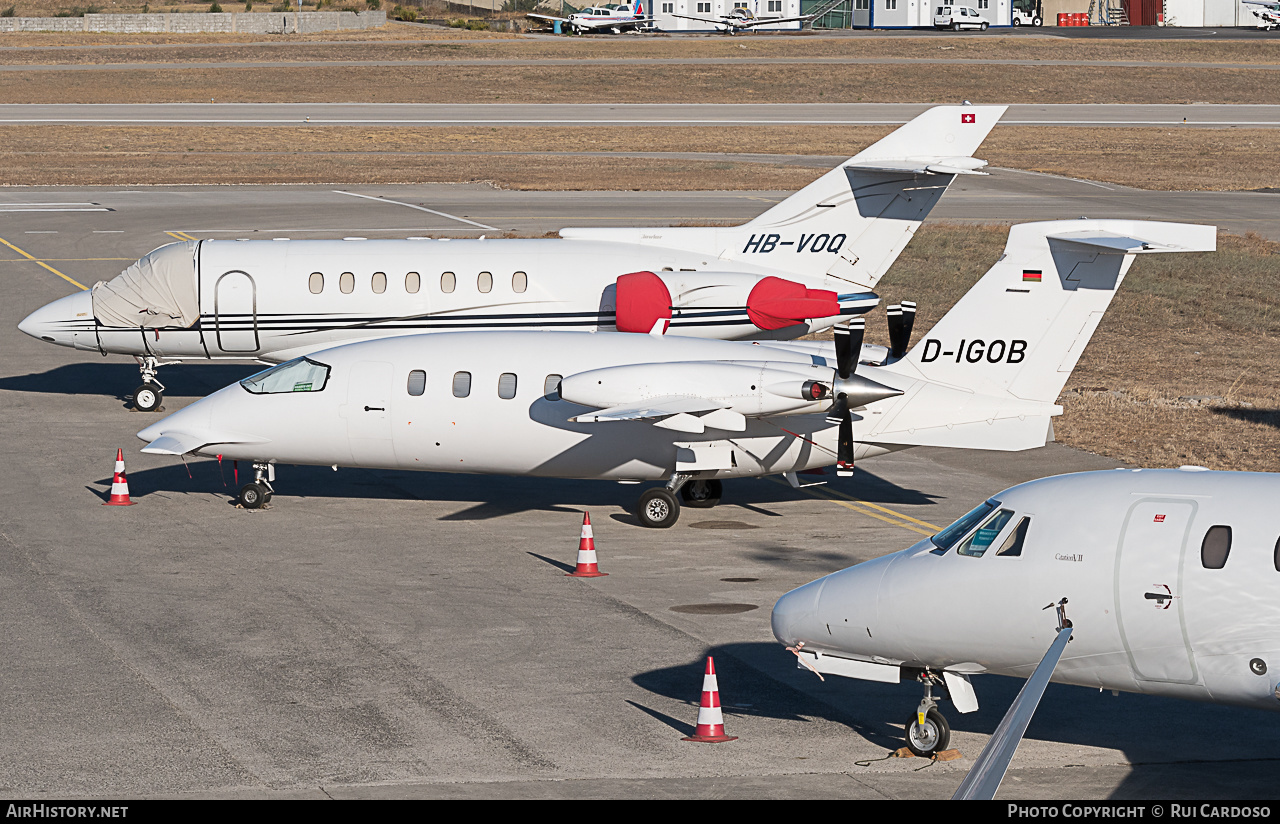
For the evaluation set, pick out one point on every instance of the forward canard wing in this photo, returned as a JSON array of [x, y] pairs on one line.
[[184, 443]]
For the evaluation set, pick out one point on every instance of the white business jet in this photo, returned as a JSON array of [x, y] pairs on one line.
[[798, 268], [612, 18], [744, 19], [1166, 582], [636, 408]]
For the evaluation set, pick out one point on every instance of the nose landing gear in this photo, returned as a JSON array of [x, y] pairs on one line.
[[258, 491], [928, 731], [147, 397]]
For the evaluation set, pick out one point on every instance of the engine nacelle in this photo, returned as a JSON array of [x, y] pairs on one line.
[[741, 387], [644, 298]]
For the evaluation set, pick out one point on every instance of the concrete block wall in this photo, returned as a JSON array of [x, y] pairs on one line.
[[233, 22]]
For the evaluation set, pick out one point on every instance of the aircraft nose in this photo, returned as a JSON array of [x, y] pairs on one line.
[[795, 616], [57, 322]]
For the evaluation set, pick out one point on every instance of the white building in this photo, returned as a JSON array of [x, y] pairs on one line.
[[664, 12]]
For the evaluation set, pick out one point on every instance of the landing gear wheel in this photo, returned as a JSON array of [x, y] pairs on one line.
[[1036, 21], [701, 494], [926, 740], [253, 495], [147, 398], [658, 508]]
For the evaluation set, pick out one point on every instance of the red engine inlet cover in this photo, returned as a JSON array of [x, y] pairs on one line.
[[775, 303], [642, 300]]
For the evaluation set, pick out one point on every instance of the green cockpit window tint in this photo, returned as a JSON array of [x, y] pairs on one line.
[[948, 537], [980, 541], [1013, 544], [299, 375], [1215, 547]]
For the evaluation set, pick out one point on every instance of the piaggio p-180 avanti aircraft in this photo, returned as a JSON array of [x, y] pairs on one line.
[[800, 267], [1166, 582], [692, 412]]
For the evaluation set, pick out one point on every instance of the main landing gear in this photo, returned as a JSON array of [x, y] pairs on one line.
[[659, 507], [927, 731], [258, 491], [147, 397]]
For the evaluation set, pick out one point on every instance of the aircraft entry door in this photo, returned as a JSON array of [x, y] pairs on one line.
[[235, 308], [369, 414], [1149, 589]]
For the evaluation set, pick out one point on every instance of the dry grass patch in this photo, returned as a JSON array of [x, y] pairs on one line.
[[1168, 159], [717, 83], [1184, 368]]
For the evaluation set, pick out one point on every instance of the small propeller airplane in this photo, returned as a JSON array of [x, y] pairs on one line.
[[799, 267], [1162, 582], [634, 408], [744, 19], [612, 18], [1268, 16]]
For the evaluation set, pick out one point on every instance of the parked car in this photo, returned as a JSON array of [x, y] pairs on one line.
[[958, 17]]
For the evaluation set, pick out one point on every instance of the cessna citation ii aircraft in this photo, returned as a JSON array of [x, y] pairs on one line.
[[647, 407], [1166, 582], [799, 267]]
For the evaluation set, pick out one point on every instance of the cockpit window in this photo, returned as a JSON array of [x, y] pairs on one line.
[[978, 543], [947, 538], [298, 375], [1012, 545]]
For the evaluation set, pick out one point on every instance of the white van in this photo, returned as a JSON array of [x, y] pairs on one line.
[[957, 18]]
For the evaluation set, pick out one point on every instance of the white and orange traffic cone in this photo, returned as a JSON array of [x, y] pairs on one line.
[[119, 484], [710, 719], [587, 567]]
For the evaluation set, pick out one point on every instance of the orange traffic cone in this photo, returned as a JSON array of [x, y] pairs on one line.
[[710, 719], [586, 553], [119, 485]]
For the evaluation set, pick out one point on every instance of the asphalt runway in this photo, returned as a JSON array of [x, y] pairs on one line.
[[392, 634], [647, 114]]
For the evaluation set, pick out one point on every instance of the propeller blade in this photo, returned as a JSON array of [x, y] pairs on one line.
[[844, 447], [902, 317], [849, 346], [839, 410]]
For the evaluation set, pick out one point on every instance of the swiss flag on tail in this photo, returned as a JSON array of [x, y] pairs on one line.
[[968, 118]]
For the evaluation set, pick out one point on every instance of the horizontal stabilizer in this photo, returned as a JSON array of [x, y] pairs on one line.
[[1123, 244], [922, 165]]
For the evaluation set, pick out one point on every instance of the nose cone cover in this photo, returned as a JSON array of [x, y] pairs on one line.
[[58, 322], [796, 614]]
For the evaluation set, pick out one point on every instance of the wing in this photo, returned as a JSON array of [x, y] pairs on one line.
[[671, 412], [988, 771], [549, 18], [771, 21], [717, 21]]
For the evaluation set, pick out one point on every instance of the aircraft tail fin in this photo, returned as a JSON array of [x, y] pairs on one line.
[[852, 223], [1021, 329]]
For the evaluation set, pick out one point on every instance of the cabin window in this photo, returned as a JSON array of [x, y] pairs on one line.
[[379, 282], [347, 283], [448, 282], [417, 382], [1276, 555], [947, 538], [316, 283], [297, 375], [519, 282], [978, 543], [412, 283], [507, 386], [551, 391], [1013, 544], [1215, 547], [485, 282], [461, 384]]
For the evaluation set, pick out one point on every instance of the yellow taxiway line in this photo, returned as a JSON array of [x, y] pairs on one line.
[[871, 510], [181, 236], [38, 262]]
